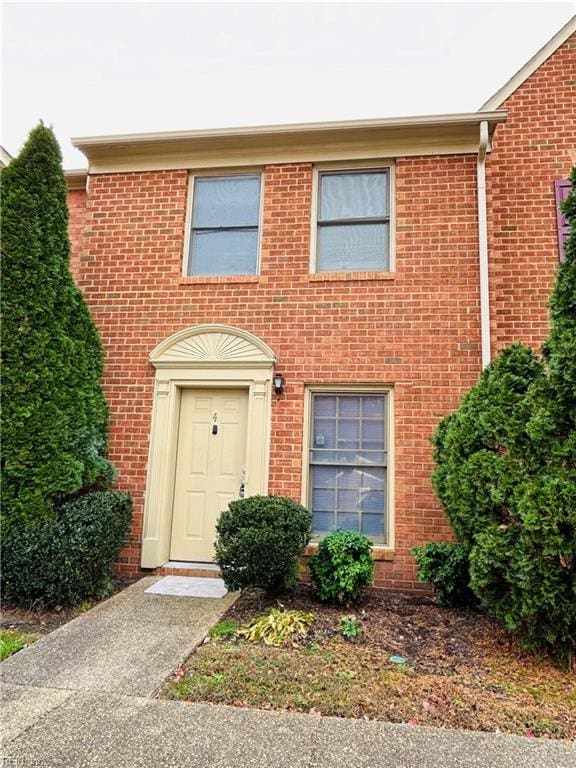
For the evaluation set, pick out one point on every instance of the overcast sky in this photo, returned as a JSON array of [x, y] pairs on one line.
[[98, 68]]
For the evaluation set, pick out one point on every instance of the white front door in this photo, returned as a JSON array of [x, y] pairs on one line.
[[210, 464]]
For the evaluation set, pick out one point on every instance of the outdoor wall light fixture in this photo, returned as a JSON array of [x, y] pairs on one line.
[[279, 382]]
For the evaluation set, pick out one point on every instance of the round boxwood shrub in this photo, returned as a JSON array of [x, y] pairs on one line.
[[343, 567], [69, 558], [260, 540]]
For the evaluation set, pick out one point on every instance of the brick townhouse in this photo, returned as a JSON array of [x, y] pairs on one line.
[[292, 309]]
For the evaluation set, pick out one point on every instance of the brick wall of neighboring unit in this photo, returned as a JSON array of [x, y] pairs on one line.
[[530, 151], [77, 213]]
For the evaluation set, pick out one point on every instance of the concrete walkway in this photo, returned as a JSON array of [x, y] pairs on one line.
[[82, 697], [129, 644]]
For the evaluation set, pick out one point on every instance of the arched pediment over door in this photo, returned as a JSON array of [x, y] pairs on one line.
[[206, 345], [209, 359]]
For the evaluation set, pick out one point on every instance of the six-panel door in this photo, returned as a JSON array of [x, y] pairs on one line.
[[209, 467]]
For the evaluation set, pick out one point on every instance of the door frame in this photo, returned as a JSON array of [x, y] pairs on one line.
[[205, 357]]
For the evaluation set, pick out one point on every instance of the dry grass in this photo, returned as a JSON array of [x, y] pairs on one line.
[[461, 671]]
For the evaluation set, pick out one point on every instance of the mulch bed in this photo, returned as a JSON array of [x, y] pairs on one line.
[[461, 669], [430, 637]]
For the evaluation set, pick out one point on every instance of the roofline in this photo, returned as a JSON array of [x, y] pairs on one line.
[[5, 157], [76, 178], [88, 142], [495, 101]]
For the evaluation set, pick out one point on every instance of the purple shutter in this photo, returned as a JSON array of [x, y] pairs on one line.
[[562, 189]]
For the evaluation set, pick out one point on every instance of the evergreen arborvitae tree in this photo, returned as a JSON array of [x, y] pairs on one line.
[[482, 451], [560, 347], [54, 415], [506, 476]]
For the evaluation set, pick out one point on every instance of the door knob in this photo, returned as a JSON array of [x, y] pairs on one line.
[[241, 491]]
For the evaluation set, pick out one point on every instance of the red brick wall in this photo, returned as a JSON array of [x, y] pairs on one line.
[[531, 151], [418, 329], [77, 213]]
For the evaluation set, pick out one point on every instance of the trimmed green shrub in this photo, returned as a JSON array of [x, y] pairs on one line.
[[506, 476], [343, 567], [260, 540], [70, 558], [54, 416], [509, 492], [445, 566]]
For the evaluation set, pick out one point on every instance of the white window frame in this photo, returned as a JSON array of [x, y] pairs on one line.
[[352, 389], [368, 165], [223, 173]]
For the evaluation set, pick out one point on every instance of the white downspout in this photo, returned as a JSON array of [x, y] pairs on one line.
[[483, 245]]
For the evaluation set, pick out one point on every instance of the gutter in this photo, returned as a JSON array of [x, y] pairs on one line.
[[77, 178], [483, 245], [375, 124], [293, 143]]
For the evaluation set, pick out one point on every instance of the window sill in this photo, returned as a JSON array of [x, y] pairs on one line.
[[378, 553], [329, 277], [218, 279]]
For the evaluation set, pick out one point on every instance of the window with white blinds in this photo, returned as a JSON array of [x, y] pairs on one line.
[[224, 226], [353, 221]]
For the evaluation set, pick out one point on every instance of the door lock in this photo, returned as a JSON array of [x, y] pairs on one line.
[[242, 490]]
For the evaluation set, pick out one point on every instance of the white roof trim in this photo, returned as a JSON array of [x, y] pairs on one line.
[[531, 66], [5, 157], [76, 178], [462, 118]]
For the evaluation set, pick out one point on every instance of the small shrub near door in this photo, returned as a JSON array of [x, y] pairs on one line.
[[343, 567], [260, 541], [70, 558]]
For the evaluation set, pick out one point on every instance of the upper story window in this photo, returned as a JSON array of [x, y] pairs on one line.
[[353, 221], [224, 225]]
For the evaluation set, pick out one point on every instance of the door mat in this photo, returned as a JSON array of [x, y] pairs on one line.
[[188, 586]]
